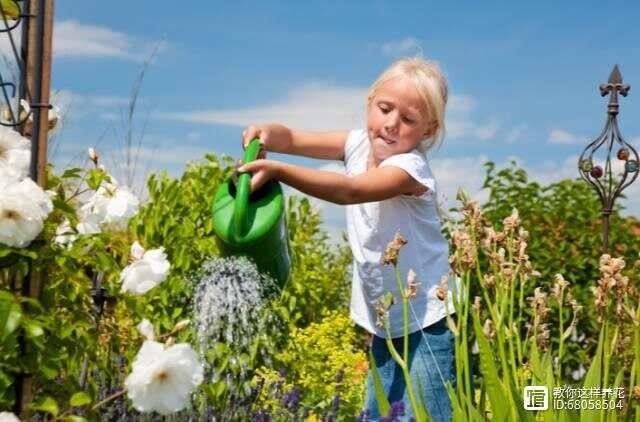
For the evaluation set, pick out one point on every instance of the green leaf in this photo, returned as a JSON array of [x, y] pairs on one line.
[[10, 314], [33, 329], [48, 404], [71, 173], [594, 377], [74, 418], [11, 9], [381, 397], [79, 399], [95, 178], [63, 206], [497, 395]]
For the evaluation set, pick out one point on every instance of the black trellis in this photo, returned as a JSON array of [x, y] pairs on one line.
[[33, 20], [609, 176]]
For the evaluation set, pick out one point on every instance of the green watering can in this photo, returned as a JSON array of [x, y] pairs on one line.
[[253, 225]]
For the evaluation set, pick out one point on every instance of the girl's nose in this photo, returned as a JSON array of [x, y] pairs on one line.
[[391, 124]]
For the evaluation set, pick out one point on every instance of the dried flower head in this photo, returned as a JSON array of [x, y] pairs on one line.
[[382, 309], [412, 284], [512, 222], [465, 255], [488, 329], [477, 301], [491, 238], [392, 251], [489, 281], [559, 285], [539, 303], [542, 336], [472, 214], [612, 285]]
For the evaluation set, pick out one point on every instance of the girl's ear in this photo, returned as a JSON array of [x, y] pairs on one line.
[[431, 129]]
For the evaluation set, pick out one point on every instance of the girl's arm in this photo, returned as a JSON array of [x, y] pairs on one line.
[[376, 184], [279, 138]]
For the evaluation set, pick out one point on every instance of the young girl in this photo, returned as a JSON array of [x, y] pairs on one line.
[[388, 188]]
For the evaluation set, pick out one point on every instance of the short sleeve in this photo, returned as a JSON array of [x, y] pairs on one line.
[[416, 165], [354, 139]]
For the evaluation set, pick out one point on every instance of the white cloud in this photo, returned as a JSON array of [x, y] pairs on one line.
[[72, 38], [65, 98], [320, 106], [462, 123], [463, 127], [515, 134], [461, 103], [313, 106], [403, 47], [76, 39], [460, 172], [560, 136]]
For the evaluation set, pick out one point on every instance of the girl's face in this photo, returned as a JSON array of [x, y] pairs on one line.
[[396, 119]]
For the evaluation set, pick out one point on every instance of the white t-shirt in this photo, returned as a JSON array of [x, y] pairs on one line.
[[372, 225]]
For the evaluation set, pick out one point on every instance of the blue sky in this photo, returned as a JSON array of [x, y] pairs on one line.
[[523, 77]]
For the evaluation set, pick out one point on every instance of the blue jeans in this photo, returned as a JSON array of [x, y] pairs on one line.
[[424, 362]]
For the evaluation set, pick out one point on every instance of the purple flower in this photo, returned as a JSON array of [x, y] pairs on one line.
[[291, 400], [335, 404], [397, 409], [363, 416], [261, 416]]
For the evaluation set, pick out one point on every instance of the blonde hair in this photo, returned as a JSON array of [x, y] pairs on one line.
[[431, 86]]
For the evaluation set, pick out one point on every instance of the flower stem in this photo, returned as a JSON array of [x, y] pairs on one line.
[[109, 398], [561, 342], [405, 371]]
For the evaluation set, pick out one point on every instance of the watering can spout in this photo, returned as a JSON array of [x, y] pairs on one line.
[[253, 225]]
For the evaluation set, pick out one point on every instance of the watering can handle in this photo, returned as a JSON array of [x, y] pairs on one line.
[[243, 190]]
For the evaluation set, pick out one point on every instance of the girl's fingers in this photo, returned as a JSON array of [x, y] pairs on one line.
[[248, 134]]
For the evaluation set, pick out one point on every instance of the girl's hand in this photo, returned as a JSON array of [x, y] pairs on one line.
[[273, 137], [261, 172]]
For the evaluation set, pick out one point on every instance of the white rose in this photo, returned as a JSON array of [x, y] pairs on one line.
[[8, 417], [23, 208], [121, 206], [15, 153], [145, 327], [111, 205], [148, 269], [162, 378], [65, 235]]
